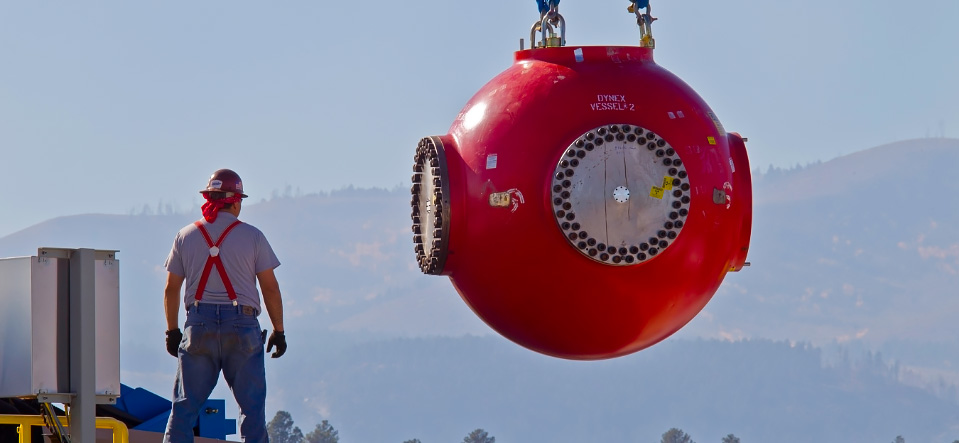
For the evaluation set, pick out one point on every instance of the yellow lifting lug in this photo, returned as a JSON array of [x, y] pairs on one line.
[[647, 42]]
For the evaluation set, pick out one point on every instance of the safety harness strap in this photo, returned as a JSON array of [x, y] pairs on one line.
[[214, 260]]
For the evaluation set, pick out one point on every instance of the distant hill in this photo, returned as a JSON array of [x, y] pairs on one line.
[[860, 252], [347, 258], [861, 248], [893, 171]]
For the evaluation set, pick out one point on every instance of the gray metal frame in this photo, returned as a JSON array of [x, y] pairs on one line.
[[60, 331]]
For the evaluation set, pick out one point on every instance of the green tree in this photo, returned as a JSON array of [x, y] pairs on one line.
[[676, 435], [479, 436], [415, 440], [899, 439], [323, 433], [730, 439], [281, 429]]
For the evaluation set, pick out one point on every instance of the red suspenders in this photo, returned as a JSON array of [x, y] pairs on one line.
[[214, 260]]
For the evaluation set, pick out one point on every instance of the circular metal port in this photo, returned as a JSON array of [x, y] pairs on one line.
[[430, 206], [629, 195]]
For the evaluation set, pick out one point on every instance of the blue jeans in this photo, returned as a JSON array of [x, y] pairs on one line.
[[219, 338]]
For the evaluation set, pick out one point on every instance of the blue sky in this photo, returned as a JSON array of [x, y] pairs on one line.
[[109, 106]]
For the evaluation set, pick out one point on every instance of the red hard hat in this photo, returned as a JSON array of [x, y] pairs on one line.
[[225, 180]]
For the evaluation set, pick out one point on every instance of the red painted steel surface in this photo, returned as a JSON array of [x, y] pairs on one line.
[[515, 268]]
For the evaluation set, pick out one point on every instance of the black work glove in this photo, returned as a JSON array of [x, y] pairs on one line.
[[173, 339], [277, 338]]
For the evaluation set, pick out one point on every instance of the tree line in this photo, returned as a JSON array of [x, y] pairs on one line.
[[676, 435], [282, 430]]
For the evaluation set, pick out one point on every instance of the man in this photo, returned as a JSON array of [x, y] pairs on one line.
[[221, 259]]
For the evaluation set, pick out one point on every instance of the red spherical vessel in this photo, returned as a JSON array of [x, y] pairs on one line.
[[586, 202]]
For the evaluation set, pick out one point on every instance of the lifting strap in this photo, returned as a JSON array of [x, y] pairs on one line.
[[545, 5], [214, 260]]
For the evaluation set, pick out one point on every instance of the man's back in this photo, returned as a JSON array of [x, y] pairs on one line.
[[244, 253]]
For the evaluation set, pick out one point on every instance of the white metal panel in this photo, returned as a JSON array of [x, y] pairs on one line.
[[108, 326], [15, 328], [44, 282]]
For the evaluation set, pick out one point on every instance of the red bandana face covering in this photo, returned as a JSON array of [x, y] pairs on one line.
[[212, 207]]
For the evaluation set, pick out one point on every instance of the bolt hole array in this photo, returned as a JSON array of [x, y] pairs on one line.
[[574, 179]]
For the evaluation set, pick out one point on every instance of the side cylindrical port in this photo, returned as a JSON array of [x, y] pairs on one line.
[[430, 205], [743, 203]]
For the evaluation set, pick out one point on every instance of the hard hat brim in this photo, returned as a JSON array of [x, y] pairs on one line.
[[204, 191]]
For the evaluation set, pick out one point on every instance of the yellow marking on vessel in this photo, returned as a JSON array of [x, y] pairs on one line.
[[712, 140], [657, 192], [668, 183]]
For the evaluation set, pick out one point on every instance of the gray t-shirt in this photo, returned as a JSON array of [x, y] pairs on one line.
[[244, 253]]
